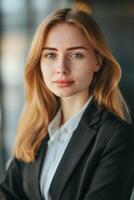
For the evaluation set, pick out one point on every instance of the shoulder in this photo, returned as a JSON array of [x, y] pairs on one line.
[[15, 165], [116, 129], [116, 123]]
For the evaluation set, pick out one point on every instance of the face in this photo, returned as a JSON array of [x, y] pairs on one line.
[[68, 62]]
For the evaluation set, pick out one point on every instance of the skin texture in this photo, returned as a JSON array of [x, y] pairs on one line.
[[76, 65]]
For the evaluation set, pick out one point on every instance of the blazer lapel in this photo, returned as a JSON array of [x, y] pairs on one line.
[[80, 140], [32, 173]]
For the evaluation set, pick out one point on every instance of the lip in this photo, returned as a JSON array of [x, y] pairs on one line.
[[63, 83]]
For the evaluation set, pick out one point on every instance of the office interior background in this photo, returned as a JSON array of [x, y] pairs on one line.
[[18, 22]]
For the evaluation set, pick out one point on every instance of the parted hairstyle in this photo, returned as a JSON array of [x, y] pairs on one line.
[[41, 104]]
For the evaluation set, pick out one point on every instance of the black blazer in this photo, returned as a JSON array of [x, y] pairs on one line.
[[98, 163]]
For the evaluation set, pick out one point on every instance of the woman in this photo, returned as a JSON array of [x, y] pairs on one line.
[[74, 141]]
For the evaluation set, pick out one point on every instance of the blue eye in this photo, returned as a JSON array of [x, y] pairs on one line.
[[76, 55], [50, 55]]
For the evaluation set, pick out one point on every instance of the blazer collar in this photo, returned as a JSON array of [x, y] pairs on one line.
[[80, 140], [78, 143]]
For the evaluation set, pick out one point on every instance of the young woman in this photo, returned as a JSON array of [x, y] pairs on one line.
[[74, 140]]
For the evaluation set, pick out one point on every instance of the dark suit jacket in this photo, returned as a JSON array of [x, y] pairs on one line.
[[98, 163]]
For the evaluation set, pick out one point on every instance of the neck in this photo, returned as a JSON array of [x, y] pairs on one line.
[[72, 105]]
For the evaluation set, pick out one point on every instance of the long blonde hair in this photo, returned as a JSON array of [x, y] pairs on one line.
[[41, 104]]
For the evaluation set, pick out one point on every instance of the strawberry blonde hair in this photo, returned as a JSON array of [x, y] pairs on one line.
[[41, 104]]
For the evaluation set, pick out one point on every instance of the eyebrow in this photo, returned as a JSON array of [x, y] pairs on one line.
[[68, 49]]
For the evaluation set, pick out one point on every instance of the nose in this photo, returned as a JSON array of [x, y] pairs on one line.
[[62, 66]]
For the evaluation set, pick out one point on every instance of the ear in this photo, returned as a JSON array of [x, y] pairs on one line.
[[96, 69], [98, 64]]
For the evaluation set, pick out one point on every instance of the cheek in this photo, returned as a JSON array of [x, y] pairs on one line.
[[48, 75], [88, 71], [86, 76], [44, 74], [48, 67], [45, 71]]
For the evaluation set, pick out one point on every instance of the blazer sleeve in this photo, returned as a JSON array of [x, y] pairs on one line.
[[114, 175], [12, 187]]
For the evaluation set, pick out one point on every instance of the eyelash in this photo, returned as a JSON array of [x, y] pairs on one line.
[[53, 55], [78, 55], [48, 54]]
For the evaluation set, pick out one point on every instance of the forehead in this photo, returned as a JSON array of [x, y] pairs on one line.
[[65, 34]]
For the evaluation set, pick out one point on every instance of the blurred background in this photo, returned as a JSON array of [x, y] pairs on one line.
[[18, 22]]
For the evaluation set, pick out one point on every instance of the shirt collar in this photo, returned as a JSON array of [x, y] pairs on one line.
[[69, 125]]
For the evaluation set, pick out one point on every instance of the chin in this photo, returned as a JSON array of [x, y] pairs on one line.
[[64, 94]]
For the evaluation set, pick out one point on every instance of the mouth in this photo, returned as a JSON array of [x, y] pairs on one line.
[[63, 83]]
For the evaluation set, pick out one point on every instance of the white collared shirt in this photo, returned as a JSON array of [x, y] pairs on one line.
[[59, 139]]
